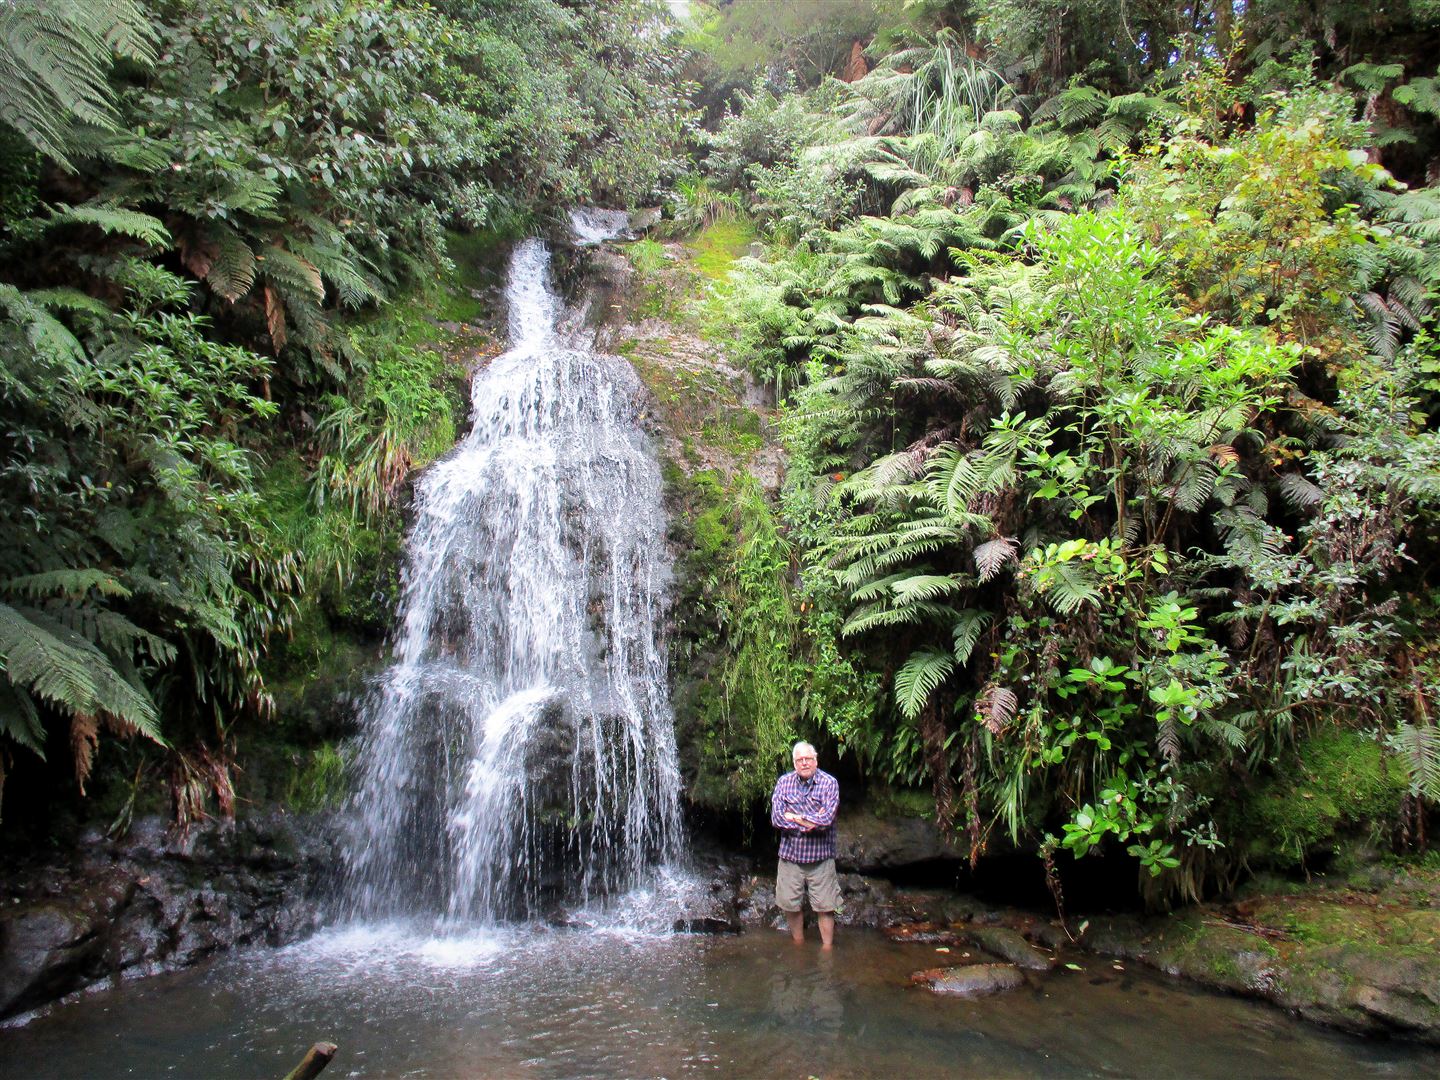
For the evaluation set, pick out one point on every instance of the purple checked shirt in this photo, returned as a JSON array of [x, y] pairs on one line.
[[816, 799]]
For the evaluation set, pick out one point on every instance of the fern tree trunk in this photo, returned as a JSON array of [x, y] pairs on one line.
[[937, 759]]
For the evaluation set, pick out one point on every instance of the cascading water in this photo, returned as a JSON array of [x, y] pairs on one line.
[[521, 750]]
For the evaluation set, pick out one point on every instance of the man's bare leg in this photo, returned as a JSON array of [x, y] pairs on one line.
[[796, 921], [827, 930]]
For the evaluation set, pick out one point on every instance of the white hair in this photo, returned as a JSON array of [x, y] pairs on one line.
[[802, 746]]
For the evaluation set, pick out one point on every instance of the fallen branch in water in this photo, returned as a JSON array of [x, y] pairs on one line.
[[314, 1062]]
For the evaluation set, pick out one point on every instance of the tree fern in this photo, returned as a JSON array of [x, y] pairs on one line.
[[46, 659], [54, 59]]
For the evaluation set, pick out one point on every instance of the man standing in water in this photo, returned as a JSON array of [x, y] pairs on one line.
[[803, 809]]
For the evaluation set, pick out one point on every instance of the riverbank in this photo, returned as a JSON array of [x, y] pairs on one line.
[[1360, 953]]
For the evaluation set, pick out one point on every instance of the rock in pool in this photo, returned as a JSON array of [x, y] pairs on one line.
[[970, 980]]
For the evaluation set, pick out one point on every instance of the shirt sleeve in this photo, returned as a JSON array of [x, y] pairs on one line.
[[777, 811], [825, 805]]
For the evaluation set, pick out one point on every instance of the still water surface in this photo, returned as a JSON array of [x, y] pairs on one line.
[[547, 1003]]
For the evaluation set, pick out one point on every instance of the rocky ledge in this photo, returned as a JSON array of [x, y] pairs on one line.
[[1363, 955], [157, 900]]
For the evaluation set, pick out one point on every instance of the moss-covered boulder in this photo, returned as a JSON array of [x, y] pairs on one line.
[[1336, 788]]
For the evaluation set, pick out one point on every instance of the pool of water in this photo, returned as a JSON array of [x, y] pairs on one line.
[[578, 1003]]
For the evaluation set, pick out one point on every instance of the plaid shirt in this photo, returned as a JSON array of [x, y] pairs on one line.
[[816, 799]]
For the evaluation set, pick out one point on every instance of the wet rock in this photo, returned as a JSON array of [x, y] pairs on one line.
[[707, 925], [865, 901], [45, 949], [970, 980], [1009, 945], [755, 899], [924, 933], [157, 900]]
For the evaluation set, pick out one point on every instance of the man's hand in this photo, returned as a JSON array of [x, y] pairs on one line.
[[800, 819]]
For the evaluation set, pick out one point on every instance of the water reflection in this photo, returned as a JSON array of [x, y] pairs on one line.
[[805, 995]]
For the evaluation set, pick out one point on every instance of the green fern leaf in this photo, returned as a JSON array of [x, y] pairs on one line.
[[52, 662], [917, 679], [966, 632], [71, 583], [232, 273], [114, 220], [1418, 746], [293, 273]]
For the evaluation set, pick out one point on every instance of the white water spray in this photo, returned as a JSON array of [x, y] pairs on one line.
[[521, 752]]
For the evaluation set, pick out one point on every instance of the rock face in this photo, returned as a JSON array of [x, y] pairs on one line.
[[154, 901], [970, 980], [869, 844]]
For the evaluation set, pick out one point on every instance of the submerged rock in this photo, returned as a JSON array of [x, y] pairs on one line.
[[924, 933], [970, 980], [1010, 946]]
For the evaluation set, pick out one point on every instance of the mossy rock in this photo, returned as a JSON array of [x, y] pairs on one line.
[[1337, 787]]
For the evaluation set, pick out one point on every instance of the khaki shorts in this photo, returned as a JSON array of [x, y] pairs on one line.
[[794, 880]]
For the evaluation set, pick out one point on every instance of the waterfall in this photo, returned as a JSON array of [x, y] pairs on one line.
[[521, 750]]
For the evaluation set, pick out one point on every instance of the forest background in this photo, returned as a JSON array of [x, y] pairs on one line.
[[1101, 337]]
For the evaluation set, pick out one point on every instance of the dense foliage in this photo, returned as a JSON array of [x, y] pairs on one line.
[[205, 202], [1110, 392]]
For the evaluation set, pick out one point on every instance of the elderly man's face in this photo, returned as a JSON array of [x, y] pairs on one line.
[[805, 765]]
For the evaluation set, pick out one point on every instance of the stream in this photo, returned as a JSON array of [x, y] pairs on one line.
[[534, 1002]]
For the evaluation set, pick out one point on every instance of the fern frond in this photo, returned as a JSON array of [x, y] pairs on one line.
[[966, 632], [44, 658], [992, 556], [71, 583], [1418, 746], [232, 271], [20, 720], [114, 220], [872, 616], [997, 706], [913, 587], [917, 679], [1070, 588], [49, 337], [55, 56], [295, 274], [1300, 491]]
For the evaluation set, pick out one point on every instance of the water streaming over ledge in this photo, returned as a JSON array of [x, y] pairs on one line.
[[521, 753]]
